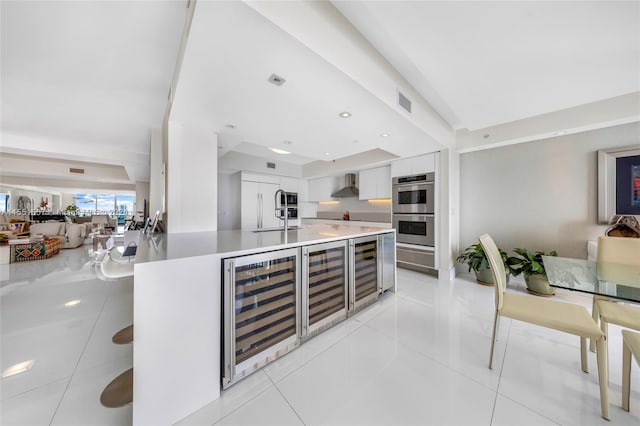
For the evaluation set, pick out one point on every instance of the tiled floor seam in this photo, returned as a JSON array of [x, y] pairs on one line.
[[35, 388], [104, 303], [317, 354], [422, 354], [286, 400], [246, 402]]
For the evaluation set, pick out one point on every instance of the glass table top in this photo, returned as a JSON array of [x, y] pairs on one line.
[[606, 279]]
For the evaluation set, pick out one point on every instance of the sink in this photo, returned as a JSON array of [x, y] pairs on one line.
[[279, 229]]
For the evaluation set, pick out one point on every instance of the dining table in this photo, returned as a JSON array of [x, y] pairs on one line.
[[615, 281]]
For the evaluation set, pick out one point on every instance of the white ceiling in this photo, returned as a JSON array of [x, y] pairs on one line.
[[486, 63], [88, 80]]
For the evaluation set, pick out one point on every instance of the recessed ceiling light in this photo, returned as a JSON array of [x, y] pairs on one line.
[[326, 153], [18, 368], [384, 135], [71, 303], [230, 126], [276, 79], [279, 151], [345, 114]]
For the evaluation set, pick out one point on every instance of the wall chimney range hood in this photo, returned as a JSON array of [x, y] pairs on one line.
[[349, 189]]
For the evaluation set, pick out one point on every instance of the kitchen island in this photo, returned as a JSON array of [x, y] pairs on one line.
[[181, 288]]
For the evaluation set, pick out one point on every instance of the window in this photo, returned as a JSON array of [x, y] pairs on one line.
[[119, 206], [4, 202]]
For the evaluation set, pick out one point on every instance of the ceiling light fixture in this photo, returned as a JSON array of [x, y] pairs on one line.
[[345, 114], [71, 303], [18, 368], [326, 153], [279, 151], [384, 135]]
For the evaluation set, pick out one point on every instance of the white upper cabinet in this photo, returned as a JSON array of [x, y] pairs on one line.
[[414, 165], [375, 183], [321, 189], [257, 177], [289, 184]]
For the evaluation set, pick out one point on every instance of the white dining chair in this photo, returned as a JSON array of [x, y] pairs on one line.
[[618, 263], [567, 317], [630, 346]]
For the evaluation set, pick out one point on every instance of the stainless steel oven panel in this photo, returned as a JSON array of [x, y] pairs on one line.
[[414, 229], [413, 198], [291, 197], [415, 258]]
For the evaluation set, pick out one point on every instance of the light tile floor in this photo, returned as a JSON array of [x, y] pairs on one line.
[[416, 357]]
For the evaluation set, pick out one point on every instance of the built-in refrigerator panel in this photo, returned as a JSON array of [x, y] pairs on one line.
[[324, 286], [261, 311]]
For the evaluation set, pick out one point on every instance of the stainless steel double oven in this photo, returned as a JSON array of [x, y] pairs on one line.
[[413, 207]]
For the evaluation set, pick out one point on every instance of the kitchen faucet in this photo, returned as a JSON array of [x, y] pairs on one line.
[[286, 211]]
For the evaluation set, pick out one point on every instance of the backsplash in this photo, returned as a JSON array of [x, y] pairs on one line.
[[374, 211]]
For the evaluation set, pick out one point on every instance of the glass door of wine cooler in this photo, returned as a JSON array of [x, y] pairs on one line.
[[324, 286], [363, 288], [261, 311]]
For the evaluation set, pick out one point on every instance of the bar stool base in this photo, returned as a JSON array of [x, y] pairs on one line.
[[119, 392], [124, 336]]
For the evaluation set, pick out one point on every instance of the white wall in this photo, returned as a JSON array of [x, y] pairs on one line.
[[539, 195], [35, 196], [192, 179], [142, 194], [229, 201]]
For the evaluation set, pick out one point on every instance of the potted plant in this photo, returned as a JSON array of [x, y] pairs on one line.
[[475, 258], [530, 264]]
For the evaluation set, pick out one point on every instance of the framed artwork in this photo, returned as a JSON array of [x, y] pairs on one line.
[[17, 227], [618, 182]]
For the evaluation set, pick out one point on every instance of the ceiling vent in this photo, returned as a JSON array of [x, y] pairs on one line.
[[271, 165], [276, 79], [74, 170], [404, 102]]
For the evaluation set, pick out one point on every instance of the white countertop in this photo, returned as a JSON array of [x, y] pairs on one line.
[[160, 247]]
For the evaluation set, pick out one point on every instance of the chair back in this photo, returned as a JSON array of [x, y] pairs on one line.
[[619, 259], [497, 267]]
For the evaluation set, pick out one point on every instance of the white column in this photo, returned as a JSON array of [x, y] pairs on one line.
[[192, 182], [155, 174]]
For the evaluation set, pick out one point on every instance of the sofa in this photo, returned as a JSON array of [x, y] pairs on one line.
[[71, 235]]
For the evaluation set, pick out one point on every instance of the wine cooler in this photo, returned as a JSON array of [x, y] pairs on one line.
[[324, 286], [261, 311], [364, 273]]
